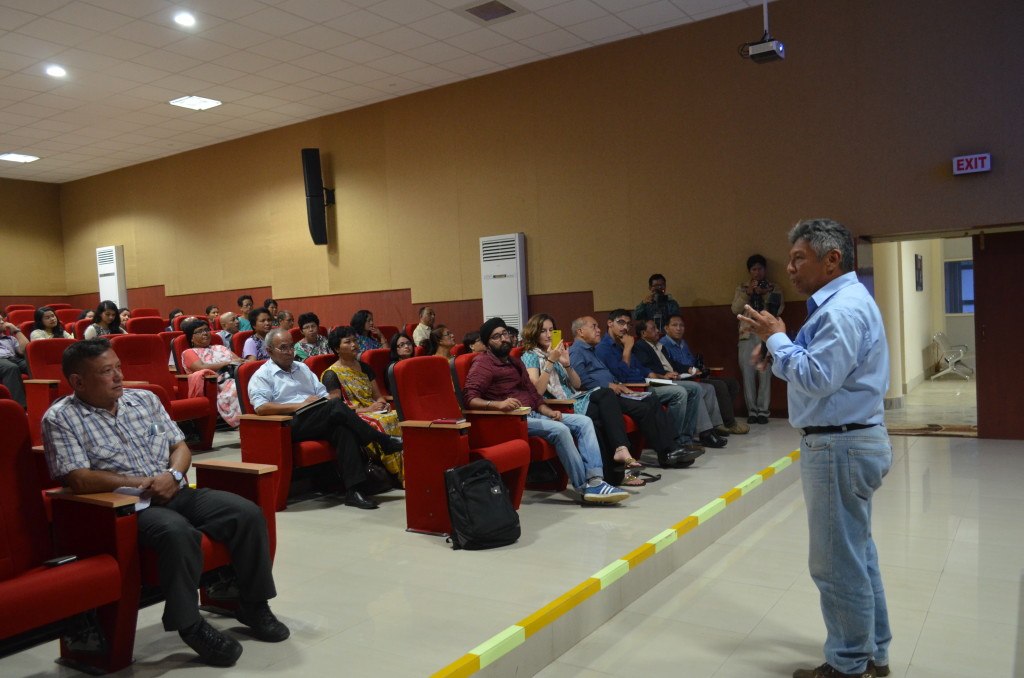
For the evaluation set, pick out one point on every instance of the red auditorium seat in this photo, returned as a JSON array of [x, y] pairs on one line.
[[145, 312], [268, 440], [145, 325], [238, 341], [18, 307], [59, 306], [68, 315], [424, 393], [48, 382], [179, 345], [20, 315], [388, 331]]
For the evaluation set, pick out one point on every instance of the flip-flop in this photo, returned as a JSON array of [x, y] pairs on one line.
[[630, 465], [648, 477], [631, 481]]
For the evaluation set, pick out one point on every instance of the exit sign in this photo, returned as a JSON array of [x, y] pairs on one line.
[[966, 164]]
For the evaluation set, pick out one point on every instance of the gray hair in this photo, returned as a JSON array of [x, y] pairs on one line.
[[274, 334], [823, 236], [578, 323]]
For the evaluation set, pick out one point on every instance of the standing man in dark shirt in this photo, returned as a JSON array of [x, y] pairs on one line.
[[497, 381], [837, 369], [658, 305], [654, 422]]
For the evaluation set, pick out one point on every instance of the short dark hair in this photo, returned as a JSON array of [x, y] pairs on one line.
[[339, 333], [674, 315], [174, 314], [241, 299], [190, 326], [422, 309], [80, 352], [211, 307], [756, 259], [255, 313], [267, 302], [654, 276], [470, 338], [307, 318], [619, 312], [107, 305], [359, 319], [641, 326]]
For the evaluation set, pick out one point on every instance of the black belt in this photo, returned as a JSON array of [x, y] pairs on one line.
[[833, 429]]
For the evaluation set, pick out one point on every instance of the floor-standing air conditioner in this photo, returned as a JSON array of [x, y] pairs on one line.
[[503, 269], [110, 268]]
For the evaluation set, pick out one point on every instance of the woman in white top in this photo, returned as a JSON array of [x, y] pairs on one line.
[[47, 325], [107, 320]]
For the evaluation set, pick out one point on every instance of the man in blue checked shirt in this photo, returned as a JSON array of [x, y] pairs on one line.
[[837, 370], [104, 437]]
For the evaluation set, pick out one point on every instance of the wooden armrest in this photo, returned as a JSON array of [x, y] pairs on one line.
[[134, 383], [42, 381], [519, 412], [107, 499], [559, 401], [38, 448], [635, 385], [236, 466], [266, 417], [416, 423], [716, 369]]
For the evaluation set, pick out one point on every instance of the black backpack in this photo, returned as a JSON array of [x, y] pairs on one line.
[[479, 507]]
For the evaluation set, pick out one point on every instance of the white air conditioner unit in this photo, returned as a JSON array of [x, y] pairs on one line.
[[503, 269], [110, 268]]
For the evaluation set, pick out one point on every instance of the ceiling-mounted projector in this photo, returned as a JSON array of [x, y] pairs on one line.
[[766, 50]]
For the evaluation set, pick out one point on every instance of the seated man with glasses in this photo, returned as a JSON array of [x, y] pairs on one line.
[[497, 381], [282, 385]]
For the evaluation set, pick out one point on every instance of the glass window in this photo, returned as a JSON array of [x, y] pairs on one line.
[[960, 286]]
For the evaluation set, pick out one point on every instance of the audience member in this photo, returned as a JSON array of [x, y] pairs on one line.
[[87, 313], [254, 348], [94, 445], [473, 343], [212, 312], [313, 343], [401, 347], [497, 381], [271, 306], [422, 330], [661, 432], [355, 382], [440, 342], [229, 326], [762, 295], [176, 313], [553, 376], [285, 320], [12, 358], [282, 385], [726, 389], [367, 334], [125, 314], [513, 337], [46, 325], [245, 306], [651, 354], [204, 358], [657, 305], [105, 321]]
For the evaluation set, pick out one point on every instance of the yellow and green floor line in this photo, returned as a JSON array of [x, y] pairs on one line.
[[504, 642]]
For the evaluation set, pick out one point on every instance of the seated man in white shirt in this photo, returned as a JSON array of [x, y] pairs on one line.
[[422, 331], [282, 385]]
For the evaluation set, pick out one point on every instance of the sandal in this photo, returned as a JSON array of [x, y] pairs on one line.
[[633, 481], [629, 464]]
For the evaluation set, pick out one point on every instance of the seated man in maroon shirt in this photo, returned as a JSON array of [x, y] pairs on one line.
[[497, 381]]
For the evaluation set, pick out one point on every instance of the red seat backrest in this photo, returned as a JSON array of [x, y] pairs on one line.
[[144, 358], [318, 363], [4, 393], [460, 368], [419, 352], [424, 389], [516, 352], [458, 350], [180, 344], [245, 372], [410, 328], [20, 315], [144, 311], [24, 539], [296, 334], [18, 307], [388, 331], [182, 318], [81, 326], [379, 359], [238, 341], [68, 315], [60, 306], [44, 358], [26, 327], [145, 325]]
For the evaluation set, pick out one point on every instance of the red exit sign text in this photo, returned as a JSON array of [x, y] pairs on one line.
[[966, 164]]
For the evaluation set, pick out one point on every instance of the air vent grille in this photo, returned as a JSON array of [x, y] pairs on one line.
[[498, 250], [493, 11]]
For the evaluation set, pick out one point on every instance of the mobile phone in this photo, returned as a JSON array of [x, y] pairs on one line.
[[59, 560], [556, 338]]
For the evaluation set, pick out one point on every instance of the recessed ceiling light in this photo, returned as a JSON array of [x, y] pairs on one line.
[[56, 71], [184, 19], [195, 103], [18, 157]]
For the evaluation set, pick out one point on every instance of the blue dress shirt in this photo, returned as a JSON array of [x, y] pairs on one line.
[[838, 366], [610, 354], [678, 353], [588, 366]]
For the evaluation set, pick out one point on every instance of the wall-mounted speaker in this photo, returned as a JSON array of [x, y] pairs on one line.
[[317, 197]]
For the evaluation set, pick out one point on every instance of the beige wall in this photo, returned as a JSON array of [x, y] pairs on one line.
[[661, 153], [922, 311], [31, 245]]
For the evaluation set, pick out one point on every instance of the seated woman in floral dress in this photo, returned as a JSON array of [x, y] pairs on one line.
[[204, 358], [355, 381], [367, 334], [313, 343], [261, 322]]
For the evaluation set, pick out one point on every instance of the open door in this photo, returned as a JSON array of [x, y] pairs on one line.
[[999, 330]]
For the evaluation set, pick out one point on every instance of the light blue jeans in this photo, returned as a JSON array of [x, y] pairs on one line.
[[581, 463], [841, 472]]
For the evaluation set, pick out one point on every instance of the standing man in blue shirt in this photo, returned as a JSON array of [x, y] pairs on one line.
[[837, 369]]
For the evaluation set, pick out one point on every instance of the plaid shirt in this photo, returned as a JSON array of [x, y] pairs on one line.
[[136, 441]]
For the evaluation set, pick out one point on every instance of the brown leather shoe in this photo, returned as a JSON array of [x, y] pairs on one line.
[[827, 671]]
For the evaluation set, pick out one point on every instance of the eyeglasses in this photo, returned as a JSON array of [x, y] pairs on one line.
[[202, 330], [286, 348], [448, 334], [621, 322], [403, 344], [500, 335]]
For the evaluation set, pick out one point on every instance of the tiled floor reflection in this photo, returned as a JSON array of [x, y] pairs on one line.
[[948, 400], [947, 524]]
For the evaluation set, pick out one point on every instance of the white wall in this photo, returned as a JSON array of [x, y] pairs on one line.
[[959, 327], [886, 263], [922, 312]]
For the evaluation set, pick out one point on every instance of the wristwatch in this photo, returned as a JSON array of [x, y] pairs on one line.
[[176, 474]]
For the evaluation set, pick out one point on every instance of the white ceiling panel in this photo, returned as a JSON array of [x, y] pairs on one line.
[[272, 63]]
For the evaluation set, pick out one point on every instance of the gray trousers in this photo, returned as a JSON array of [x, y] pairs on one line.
[[757, 386]]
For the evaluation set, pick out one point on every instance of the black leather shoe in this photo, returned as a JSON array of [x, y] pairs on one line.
[[391, 445], [752, 419], [212, 646], [265, 626], [711, 439], [761, 419], [356, 498], [683, 457]]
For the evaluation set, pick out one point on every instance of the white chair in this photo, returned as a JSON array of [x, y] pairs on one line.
[[950, 358]]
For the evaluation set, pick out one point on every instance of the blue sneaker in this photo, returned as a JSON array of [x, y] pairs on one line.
[[603, 494]]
